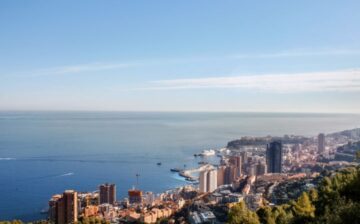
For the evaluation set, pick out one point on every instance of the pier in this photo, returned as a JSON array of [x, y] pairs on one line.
[[188, 174]]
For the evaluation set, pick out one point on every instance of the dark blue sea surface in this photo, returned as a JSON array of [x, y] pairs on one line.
[[43, 153]]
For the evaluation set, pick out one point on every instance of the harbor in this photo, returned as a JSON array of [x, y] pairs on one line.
[[207, 158]]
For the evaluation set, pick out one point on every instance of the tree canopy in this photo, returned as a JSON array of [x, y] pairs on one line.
[[240, 214], [335, 201]]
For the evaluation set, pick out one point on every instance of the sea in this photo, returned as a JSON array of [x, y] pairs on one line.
[[45, 153]]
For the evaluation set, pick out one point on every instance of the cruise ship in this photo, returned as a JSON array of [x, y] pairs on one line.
[[209, 152]]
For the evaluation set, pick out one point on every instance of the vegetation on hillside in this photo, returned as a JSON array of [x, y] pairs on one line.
[[336, 200], [21, 222]]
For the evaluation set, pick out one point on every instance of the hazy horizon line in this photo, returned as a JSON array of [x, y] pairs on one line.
[[175, 111]]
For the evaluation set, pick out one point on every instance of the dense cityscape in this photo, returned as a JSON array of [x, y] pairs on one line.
[[179, 112], [266, 171]]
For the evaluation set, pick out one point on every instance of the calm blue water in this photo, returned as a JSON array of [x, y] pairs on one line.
[[43, 153]]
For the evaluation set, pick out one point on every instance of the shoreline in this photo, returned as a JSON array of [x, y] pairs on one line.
[[185, 173]]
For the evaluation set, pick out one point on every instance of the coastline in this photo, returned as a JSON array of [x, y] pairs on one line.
[[53, 147]]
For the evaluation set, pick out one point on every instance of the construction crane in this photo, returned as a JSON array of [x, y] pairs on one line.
[[137, 181]]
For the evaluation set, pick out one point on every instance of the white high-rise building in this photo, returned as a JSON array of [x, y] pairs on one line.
[[149, 198], [208, 181], [203, 181], [211, 180]]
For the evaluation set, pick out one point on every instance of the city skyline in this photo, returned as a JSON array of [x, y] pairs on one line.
[[189, 56], [179, 112]]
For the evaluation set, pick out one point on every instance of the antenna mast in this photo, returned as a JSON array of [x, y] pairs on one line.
[[137, 180]]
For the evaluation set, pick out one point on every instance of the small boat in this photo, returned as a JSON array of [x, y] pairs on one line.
[[191, 179], [159, 164], [175, 170], [44, 211]]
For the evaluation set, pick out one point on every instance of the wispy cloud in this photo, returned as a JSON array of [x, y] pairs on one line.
[[102, 66], [344, 80], [300, 53], [84, 68]]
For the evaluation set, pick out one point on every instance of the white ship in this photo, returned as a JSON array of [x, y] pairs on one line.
[[222, 149], [209, 152]]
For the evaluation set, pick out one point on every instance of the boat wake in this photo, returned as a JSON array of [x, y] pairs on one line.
[[66, 174], [177, 177], [7, 158], [49, 176]]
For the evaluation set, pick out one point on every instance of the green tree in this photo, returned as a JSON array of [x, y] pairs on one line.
[[266, 215], [313, 195], [283, 214], [240, 214], [303, 206]]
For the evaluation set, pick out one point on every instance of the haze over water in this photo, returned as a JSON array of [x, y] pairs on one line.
[[43, 153]]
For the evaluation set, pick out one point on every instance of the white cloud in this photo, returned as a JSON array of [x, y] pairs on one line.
[[345, 80], [101, 66], [299, 53], [84, 68]]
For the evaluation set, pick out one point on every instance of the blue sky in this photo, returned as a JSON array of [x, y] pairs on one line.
[[281, 56]]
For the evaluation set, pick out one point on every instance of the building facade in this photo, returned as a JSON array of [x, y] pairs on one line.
[[203, 181], [211, 180], [236, 161], [64, 208], [208, 180], [321, 143], [274, 157], [135, 196], [107, 193]]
